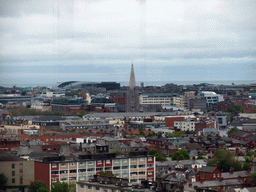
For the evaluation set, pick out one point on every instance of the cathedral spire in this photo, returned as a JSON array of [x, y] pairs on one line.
[[132, 83]]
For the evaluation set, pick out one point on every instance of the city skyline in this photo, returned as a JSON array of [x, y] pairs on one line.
[[98, 40]]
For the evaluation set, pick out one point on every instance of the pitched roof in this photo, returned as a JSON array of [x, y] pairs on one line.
[[207, 169]]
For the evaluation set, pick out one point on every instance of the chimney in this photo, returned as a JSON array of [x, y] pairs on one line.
[[190, 184], [195, 168], [221, 178], [194, 158], [187, 175], [249, 169], [209, 151], [174, 174], [232, 169], [214, 165], [237, 151]]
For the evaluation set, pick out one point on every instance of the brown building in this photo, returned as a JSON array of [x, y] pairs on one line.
[[169, 121], [18, 171]]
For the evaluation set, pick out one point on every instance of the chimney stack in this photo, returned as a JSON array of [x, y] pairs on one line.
[[195, 168], [232, 169], [187, 175]]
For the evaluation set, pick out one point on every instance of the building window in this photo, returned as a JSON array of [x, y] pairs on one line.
[[99, 162], [150, 172], [81, 186], [13, 180], [21, 180], [72, 171], [107, 161], [116, 167], [133, 166], [90, 162], [89, 187], [149, 158], [72, 164], [54, 180], [54, 165], [13, 173], [141, 159], [64, 179], [133, 159], [81, 163], [63, 171], [55, 172], [13, 166]]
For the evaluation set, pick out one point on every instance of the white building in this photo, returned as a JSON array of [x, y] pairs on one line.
[[185, 125], [211, 97], [158, 98]]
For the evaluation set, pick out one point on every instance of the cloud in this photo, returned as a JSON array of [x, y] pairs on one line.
[[109, 32]]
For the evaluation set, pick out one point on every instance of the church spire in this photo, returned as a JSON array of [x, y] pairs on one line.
[[132, 83]]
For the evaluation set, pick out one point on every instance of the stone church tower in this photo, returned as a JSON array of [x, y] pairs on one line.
[[132, 94]]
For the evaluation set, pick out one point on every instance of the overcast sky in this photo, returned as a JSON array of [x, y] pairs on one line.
[[45, 41]]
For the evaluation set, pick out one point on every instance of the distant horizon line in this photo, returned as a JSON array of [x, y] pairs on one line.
[[154, 83]]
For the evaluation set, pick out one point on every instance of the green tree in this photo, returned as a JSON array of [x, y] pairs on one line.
[[142, 133], [81, 113], [57, 113], [60, 187], [153, 152], [225, 160], [42, 189], [181, 154], [251, 153], [245, 166], [176, 134], [253, 178], [3, 181], [35, 185], [106, 173], [149, 134], [188, 132], [72, 187], [158, 156], [235, 109], [201, 157], [233, 130]]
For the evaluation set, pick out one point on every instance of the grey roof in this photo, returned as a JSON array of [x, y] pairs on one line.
[[156, 138], [240, 134], [207, 169], [236, 174], [217, 183], [6, 156]]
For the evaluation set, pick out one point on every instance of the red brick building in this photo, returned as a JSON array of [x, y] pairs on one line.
[[169, 121], [208, 173]]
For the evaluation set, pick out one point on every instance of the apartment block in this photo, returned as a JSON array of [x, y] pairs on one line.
[[135, 168], [18, 171], [185, 125]]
